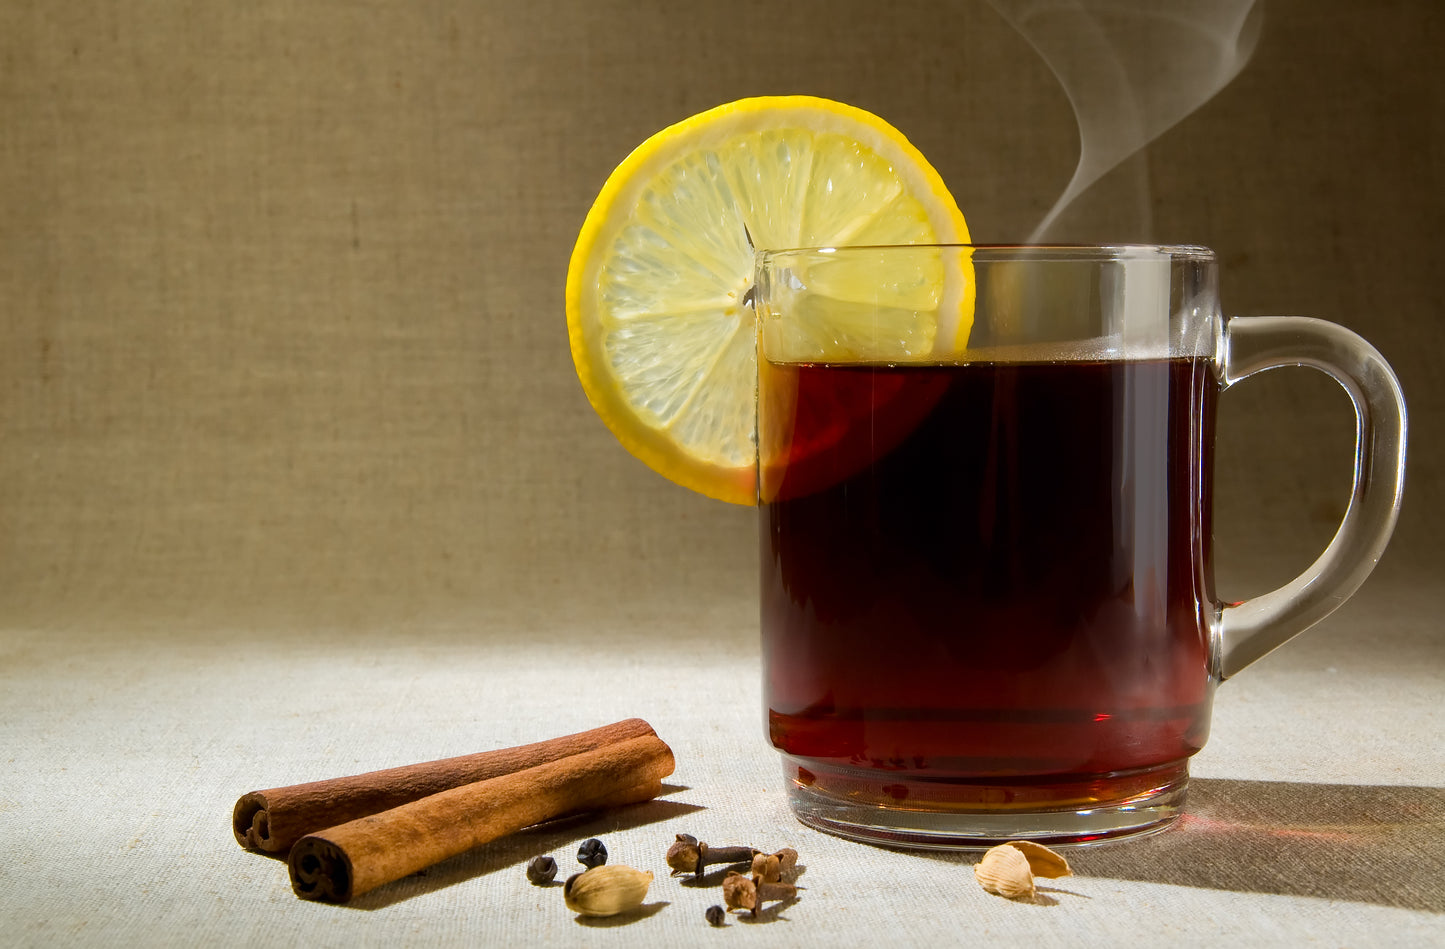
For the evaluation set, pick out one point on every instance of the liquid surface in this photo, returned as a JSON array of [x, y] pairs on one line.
[[1015, 584]]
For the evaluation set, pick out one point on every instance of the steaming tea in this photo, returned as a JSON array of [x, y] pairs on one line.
[[1012, 589], [987, 611]]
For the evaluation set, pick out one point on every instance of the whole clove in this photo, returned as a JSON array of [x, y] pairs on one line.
[[690, 855], [739, 892]]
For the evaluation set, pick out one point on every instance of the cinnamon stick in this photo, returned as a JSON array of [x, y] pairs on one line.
[[343, 862], [274, 819]]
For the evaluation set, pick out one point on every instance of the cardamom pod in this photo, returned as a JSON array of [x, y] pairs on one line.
[[1005, 870], [1043, 862], [606, 890]]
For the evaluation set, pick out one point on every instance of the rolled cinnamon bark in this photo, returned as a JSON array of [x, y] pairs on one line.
[[273, 820], [343, 862]]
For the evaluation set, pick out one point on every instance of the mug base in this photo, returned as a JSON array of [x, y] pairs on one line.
[[935, 815]]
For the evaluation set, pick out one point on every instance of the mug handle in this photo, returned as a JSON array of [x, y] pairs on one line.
[[1250, 629]]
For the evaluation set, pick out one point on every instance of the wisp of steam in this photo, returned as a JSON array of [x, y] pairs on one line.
[[1132, 69]]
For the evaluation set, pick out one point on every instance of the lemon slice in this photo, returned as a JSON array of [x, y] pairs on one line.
[[658, 312]]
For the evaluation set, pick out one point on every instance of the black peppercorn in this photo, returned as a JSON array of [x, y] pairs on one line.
[[541, 870], [715, 915], [591, 853]]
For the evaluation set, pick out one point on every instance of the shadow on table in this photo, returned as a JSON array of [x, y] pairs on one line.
[[1371, 844], [511, 853]]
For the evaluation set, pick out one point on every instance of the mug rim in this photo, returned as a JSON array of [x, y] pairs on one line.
[[1036, 252]]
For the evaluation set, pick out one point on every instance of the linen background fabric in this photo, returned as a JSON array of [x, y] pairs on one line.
[[282, 285], [296, 477]]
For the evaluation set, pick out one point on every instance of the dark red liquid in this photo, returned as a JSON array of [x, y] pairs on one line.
[[1016, 587]]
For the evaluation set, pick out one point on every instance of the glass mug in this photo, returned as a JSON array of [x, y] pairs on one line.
[[987, 599]]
